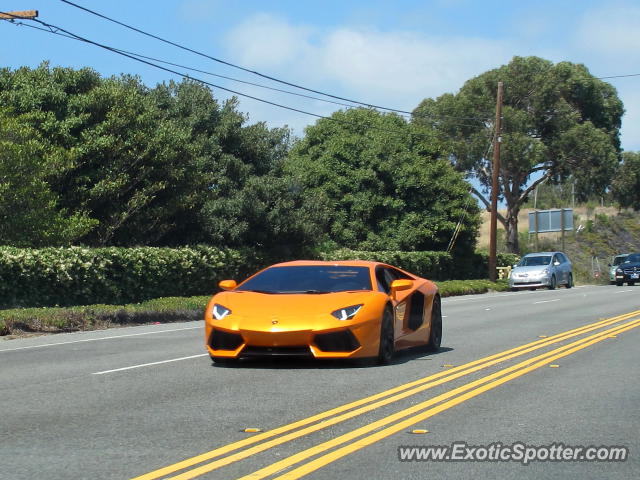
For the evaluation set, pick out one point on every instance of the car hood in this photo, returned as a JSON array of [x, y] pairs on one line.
[[629, 265], [529, 270], [306, 311]]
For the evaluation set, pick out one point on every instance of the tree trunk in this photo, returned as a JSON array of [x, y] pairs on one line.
[[511, 227]]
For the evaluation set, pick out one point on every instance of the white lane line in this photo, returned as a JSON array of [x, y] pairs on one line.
[[98, 339], [149, 364], [624, 291], [547, 301]]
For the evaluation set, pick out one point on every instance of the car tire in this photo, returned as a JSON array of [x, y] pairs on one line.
[[435, 328], [386, 350], [552, 285], [619, 284], [569, 281], [631, 284]]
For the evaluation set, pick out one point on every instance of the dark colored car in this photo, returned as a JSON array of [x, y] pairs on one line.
[[629, 270]]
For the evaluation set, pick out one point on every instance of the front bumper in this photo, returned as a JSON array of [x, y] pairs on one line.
[[627, 277], [529, 282], [357, 340]]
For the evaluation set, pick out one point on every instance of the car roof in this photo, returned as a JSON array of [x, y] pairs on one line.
[[541, 253], [347, 263]]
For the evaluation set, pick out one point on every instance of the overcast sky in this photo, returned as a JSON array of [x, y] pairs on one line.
[[388, 53]]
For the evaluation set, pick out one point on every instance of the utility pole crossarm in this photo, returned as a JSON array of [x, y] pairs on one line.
[[22, 15]]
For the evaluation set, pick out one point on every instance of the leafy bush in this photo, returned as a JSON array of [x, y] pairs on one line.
[[432, 265], [82, 276], [452, 288], [66, 319]]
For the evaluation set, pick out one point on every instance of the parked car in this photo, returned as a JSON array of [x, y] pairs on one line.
[[543, 269], [613, 266], [629, 270], [344, 309]]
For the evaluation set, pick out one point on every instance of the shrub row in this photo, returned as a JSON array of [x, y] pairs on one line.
[[91, 317], [172, 309], [116, 276], [82, 276], [431, 265]]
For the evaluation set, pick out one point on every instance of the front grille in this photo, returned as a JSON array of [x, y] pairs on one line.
[[526, 283], [251, 351], [343, 341], [630, 270], [221, 340]]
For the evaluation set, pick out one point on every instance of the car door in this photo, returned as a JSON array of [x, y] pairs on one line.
[[558, 268]]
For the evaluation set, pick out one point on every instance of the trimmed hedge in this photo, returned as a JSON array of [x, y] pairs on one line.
[[431, 265], [82, 276], [162, 310], [116, 276], [91, 317]]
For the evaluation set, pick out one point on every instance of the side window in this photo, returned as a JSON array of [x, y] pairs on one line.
[[556, 258], [397, 274], [384, 284]]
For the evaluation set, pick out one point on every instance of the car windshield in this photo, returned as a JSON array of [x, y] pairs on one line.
[[619, 259], [635, 258], [536, 261], [309, 279]]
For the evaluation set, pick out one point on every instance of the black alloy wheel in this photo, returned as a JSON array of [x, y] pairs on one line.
[[387, 338], [435, 331]]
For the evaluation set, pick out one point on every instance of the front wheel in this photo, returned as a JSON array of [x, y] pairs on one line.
[[435, 328], [552, 285], [387, 339], [619, 284]]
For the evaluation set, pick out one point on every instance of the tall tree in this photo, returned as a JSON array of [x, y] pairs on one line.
[[626, 183], [30, 214], [558, 122], [383, 182]]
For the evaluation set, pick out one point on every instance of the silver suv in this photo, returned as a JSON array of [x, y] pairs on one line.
[[543, 269]]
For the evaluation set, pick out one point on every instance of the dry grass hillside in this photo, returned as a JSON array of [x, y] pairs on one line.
[[605, 232]]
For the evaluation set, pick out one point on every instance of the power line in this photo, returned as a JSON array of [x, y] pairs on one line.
[[268, 77], [56, 30], [224, 62]]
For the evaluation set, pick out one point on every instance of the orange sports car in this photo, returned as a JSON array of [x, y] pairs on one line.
[[345, 309]]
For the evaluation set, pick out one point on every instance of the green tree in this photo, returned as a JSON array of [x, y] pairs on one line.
[[559, 122], [29, 212], [383, 183], [163, 166], [626, 183]]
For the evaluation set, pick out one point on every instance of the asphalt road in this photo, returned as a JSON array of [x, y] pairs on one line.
[[123, 403]]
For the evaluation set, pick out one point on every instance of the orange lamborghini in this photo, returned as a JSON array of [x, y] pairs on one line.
[[345, 309]]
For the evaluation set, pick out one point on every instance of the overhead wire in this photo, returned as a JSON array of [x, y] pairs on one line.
[[254, 72], [54, 29]]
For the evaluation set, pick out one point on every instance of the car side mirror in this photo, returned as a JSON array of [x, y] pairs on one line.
[[227, 284], [400, 285], [556, 263], [609, 265]]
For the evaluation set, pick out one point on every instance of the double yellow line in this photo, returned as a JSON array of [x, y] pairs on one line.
[[264, 441]]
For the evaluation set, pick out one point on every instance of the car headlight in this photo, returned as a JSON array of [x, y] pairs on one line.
[[545, 272], [618, 270], [219, 312], [346, 313]]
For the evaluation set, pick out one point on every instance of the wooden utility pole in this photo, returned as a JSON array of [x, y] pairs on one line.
[[24, 15], [494, 186]]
